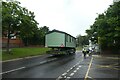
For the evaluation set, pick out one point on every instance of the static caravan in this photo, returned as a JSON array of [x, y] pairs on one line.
[[60, 41]]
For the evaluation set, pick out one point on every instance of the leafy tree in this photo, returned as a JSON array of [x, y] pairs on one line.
[[0, 18], [16, 18], [107, 28], [82, 40], [43, 31], [39, 36]]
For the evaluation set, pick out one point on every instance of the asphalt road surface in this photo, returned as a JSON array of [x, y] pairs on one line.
[[63, 67]]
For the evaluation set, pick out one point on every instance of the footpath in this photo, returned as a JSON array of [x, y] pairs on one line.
[[104, 67]]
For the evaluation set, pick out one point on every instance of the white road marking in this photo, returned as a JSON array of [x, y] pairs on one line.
[[75, 71], [25, 67], [47, 61], [68, 77], [88, 69], [77, 68], [59, 78], [72, 74], [21, 58], [74, 65], [89, 77], [12, 70], [68, 70], [64, 74], [43, 62], [52, 59], [71, 68], [96, 56]]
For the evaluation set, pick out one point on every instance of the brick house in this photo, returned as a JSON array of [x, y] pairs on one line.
[[15, 42]]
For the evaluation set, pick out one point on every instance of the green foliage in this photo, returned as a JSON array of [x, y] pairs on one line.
[[107, 27], [18, 19], [82, 40], [79, 48], [39, 36]]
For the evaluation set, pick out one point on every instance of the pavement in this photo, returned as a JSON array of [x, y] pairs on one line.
[[105, 67], [67, 67]]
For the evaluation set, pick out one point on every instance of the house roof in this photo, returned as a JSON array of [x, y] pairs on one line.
[[60, 32]]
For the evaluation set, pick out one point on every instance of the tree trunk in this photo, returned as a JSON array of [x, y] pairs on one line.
[[8, 40]]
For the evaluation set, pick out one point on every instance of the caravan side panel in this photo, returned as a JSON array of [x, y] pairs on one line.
[[55, 39]]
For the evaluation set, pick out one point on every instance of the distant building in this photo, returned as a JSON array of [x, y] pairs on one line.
[[13, 42]]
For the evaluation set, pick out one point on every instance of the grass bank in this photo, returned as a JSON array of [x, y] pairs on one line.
[[23, 52], [79, 48]]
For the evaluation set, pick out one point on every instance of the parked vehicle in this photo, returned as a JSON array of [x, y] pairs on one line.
[[60, 42]]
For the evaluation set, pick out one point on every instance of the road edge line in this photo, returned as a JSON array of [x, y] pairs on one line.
[[12, 70], [88, 69], [21, 58]]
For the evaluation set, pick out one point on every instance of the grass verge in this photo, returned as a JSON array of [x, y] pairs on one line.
[[23, 52], [79, 48]]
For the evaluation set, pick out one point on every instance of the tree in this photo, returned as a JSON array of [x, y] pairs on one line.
[[82, 40], [43, 31], [39, 36], [0, 17], [16, 18], [107, 27]]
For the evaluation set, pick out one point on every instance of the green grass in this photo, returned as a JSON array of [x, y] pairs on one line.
[[23, 52], [79, 48]]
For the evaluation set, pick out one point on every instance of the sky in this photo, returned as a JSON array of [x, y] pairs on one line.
[[70, 16]]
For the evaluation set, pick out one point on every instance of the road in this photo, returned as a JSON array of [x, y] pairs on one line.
[[62, 67]]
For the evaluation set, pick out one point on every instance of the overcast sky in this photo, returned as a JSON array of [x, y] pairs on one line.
[[71, 16]]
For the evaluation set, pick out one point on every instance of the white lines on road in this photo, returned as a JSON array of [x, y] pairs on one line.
[[89, 77], [75, 71], [77, 68], [26, 67], [68, 71], [71, 68], [68, 78], [42, 62], [65, 75], [53, 59], [86, 76], [72, 74], [21, 58], [12, 70]]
